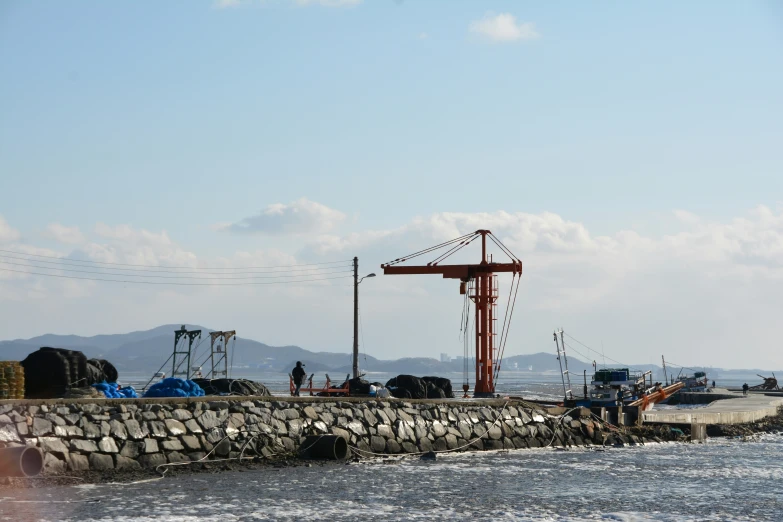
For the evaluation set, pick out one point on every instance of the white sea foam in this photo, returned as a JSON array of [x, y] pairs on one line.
[[669, 482]]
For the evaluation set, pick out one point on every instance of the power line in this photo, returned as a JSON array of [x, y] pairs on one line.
[[196, 270], [183, 267], [172, 282], [596, 351], [587, 359], [211, 277]]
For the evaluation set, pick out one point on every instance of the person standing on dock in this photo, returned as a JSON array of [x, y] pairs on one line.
[[298, 375], [745, 389]]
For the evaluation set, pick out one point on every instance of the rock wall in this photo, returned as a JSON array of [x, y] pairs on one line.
[[134, 434]]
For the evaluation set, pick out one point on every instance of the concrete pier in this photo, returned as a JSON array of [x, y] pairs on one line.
[[707, 397], [741, 410]]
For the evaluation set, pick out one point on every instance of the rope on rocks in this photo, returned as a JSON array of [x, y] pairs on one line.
[[500, 416], [559, 420], [205, 458]]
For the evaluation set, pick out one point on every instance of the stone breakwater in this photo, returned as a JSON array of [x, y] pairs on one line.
[[135, 434]]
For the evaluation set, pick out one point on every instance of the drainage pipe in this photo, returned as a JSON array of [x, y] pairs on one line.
[[20, 461], [332, 447]]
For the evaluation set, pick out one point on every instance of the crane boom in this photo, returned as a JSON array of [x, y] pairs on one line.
[[454, 271]]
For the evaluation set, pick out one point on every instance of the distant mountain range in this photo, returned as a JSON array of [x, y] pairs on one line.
[[147, 351]]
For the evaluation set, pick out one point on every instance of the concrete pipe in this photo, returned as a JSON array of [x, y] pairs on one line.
[[330, 447], [20, 461]]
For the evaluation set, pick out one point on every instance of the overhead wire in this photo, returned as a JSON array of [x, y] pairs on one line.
[[131, 281], [209, 277], [183, 267], [596, 351], [165, 269]]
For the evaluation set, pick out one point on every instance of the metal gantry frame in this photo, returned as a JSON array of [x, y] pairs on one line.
[[181, 355], [219, 352]]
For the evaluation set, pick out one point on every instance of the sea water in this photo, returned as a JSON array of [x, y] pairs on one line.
[[722, 479]]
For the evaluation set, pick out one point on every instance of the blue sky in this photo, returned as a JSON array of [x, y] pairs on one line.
[[184, 116]]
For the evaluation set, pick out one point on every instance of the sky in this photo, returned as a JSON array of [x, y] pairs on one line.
[[628, 153]]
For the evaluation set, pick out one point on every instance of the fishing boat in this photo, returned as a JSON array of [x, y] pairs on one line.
[[693, 382], [612, 387], [697, 382]]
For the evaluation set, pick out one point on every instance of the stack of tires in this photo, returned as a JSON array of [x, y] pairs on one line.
[[51, 372]]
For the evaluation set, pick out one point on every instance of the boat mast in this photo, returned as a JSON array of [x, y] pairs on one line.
[[665, 375], [566, 376]]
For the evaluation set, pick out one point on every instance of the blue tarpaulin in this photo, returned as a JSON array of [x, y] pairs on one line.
[[112, 390], [173, 387]]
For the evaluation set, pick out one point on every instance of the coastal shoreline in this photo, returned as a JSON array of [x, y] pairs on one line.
[[117, 435]]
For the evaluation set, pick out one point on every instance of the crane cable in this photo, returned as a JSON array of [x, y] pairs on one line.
[[463, 328], [503, 247], [503, 341], [452, 250], [430, 249]]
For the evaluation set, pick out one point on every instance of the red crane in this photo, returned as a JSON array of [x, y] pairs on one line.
[[480, 283]]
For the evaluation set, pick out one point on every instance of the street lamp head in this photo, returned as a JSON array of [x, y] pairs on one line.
[[365, 277]]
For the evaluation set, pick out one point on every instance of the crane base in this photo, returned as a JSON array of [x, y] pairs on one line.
[[485, 395]]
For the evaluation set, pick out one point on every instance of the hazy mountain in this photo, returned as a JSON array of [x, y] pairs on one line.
[[147, 351]]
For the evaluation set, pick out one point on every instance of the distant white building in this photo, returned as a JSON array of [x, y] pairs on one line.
[[444, 357]]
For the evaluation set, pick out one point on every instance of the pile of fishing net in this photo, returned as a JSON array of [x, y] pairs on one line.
[[410, 387], [112, 390], [51, 372], [174, 387], [243, 387]]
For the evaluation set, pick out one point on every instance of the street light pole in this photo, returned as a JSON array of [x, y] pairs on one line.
[[356, 282], [355, 317]]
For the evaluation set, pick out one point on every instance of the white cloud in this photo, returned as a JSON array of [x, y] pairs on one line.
[[711, 286], [7, 233], [226, 4], [329, 3], [423, 36], [503, 28], [708, 293], [64, 234], [299, 217]]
